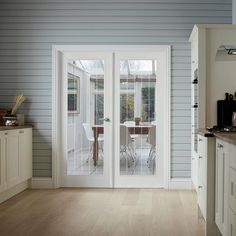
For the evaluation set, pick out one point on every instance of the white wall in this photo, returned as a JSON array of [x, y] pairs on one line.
[[220, 74], [234, 11]]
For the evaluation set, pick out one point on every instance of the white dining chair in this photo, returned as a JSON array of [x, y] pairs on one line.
[[126, 144], [151, 139], [90, 137], [131, 124]]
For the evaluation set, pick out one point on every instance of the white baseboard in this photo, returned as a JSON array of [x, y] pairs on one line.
[[176, 183], [47, 183], [42, 183], [14, 190]]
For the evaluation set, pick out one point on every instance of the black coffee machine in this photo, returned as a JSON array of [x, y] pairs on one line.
[[225, 109]]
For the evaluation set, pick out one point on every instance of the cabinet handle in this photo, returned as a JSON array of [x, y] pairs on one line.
[[21, 131], [220, 145], [6, 133], [199, 139], [199, 186], [200, 157]]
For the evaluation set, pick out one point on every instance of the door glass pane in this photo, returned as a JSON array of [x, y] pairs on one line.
[[138, 123], [85, 105]]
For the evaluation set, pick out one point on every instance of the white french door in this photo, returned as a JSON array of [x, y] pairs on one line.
[[139, 106], [114, 107], [87, 111]]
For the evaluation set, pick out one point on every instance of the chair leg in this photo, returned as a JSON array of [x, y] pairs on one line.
[[90, 152], [101, 150], [151, 156]]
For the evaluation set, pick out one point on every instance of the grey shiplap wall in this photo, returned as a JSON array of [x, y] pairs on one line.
[[29, 28], [234, 11]]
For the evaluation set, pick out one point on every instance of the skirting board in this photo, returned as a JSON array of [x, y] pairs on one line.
[[14, 190], [42, 183], [180, 184], [47, 183]]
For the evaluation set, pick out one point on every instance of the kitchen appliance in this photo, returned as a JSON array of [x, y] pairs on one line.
[[225, 109], [217, 129]]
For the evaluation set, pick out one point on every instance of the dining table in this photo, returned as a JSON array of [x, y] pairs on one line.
[[99, 129]]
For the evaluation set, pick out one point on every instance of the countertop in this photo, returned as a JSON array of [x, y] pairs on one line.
[[229, 137], [205, 133], [3, 128]]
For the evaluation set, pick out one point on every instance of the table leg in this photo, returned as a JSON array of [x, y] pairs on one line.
[[95, 147]]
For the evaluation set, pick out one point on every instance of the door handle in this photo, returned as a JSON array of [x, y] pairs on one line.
[[107, 119]]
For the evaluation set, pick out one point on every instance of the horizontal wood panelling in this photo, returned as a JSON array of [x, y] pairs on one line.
[[29, 28], [226, 6], [181, 173], [41, 172], [118, 1], [120, 19], [114, 13]]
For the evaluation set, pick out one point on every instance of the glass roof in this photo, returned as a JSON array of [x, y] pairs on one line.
[[140, 67], [127, 67], [93, 67]]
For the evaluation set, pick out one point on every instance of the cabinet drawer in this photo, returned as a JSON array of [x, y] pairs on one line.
[[232, 189], [232, 223], [15, 132], [25, 131]]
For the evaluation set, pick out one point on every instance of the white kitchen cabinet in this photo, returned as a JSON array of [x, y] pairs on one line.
[[15, 161], [25, 154], [2, 163], [232, 223], [226, 184], [206, 180], [198, 88], [221, 183], [12, 158], [232, 189], [206, 78]]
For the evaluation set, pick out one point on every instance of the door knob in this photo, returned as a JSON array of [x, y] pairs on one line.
[[107, 119]]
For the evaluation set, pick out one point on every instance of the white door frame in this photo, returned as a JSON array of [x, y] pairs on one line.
[[57, 52]]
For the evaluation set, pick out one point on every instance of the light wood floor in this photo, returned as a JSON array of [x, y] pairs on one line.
[[101, 212]]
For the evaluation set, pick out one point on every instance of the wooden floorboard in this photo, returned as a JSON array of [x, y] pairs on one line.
[[101, 212]]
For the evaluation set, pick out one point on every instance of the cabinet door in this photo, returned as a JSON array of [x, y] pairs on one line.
[[232, 223], [221, 188], [232, 156], [194, 170], [25, 152], [202, 199], [2, 163], [202, 159], [12, 158], [232, 190], [194, 52]]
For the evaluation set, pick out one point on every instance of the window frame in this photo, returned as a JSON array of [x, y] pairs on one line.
[[76, 91]]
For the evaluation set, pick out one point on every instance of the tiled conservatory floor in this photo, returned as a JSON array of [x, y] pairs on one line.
[[80, 164]]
